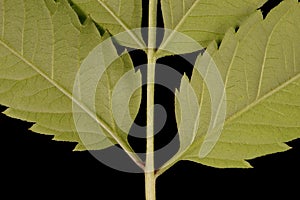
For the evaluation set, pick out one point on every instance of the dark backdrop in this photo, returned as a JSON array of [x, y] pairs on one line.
[[33, 165]]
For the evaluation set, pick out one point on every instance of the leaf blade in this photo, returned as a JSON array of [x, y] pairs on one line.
[[255, 125], [204, 21], [39, 66], [117, 16]]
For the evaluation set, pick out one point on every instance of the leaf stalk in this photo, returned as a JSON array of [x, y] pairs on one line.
[[150, 179]]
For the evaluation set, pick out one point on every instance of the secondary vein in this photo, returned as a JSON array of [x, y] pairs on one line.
[[120, 22]]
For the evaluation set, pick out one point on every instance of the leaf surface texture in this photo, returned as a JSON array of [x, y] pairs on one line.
[[42, 46], [260, 68]]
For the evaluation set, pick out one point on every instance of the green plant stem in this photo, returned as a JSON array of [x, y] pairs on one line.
[[149, 164]]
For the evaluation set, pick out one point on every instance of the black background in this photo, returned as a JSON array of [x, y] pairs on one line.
[[33, 165]]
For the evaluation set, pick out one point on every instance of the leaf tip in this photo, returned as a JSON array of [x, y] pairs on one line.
[[247, 165], [6, 112], [79, 148]]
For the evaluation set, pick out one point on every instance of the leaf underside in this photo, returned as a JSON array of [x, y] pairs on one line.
[[116, 16], [42, 45], [260, 68], [204, 20]]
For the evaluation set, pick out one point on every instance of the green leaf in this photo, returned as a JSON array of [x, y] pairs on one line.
[[261, 73], [203, 20], [116, 16], [42, 47]]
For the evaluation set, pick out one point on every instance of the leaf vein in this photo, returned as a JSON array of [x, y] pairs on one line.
[[257, 101], [120, 22], [64, 91], [265, 53]]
